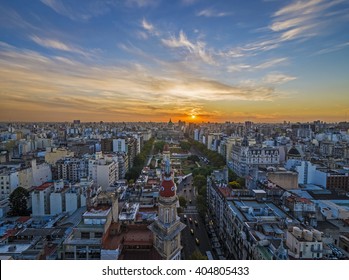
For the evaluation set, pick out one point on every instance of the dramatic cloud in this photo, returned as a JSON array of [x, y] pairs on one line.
[[65, 85]]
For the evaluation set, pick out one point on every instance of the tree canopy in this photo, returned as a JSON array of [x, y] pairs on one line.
[[182, 201], [196, 255], [19, 202]]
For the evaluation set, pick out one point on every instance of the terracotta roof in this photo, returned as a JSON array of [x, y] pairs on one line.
[[225, 191], [23, 219]]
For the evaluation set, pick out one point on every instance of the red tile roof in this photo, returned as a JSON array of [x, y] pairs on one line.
[[44, 186]]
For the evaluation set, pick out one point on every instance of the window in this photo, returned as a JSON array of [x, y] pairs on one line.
[[167, 215], [85, 235]]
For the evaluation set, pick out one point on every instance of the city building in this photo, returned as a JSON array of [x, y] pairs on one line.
[[246, 158], [72, 169], [104, 171], [85, 241]]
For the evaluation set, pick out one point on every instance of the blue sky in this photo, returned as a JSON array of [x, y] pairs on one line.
[[267, 60]]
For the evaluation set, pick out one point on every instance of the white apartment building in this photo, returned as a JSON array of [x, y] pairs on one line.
[[40, 198], [8, 182], [304, 244], [245, 158], [104, 172], [120, 145]]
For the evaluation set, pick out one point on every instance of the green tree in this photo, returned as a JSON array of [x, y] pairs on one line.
[[19, 202], [241, 181], [159, 146], [199, 181], [194, 158], [202, 191], [232, 175], [196, 255], [185, 145], [182, 201], [201, 205], [235, 185]]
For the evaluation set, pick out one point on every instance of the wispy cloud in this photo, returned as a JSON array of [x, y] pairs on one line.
[[264, 65], [58, 45], [147, 26], [277, 78], [211, 13], [189, 2], [141, 3], [299, 20], [333, 48], [302, 19], [81, 11], [271, 63], [197, 49], [12, 19]]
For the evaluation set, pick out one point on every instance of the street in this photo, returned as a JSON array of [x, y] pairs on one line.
[[186, 190]]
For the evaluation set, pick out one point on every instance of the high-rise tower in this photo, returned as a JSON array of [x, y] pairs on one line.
[[167, 227]]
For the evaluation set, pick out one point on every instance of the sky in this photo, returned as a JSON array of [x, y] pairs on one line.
[[189, 60]]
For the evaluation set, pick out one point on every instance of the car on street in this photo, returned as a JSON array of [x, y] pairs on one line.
[[192, 231], [196, 223], [190, 220], [197, 241]]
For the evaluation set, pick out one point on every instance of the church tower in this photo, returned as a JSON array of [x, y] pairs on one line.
[[167, 227]]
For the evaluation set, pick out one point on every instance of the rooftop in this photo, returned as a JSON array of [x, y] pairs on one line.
[[44, 186]]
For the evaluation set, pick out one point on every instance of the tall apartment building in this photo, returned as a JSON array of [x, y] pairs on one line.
[[40, 199], [107, 145], [8, 182], [104, 171], [72, 169]]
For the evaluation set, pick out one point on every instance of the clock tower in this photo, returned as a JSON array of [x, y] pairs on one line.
[[167, 227]]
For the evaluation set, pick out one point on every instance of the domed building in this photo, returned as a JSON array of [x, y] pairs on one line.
[[294, 153]]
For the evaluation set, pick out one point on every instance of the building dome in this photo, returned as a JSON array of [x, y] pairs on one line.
[[294, 153], [167, 188]]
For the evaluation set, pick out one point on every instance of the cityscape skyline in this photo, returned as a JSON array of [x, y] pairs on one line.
[[190, 60]]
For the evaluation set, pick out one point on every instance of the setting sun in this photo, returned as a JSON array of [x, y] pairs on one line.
[[193, 116]]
